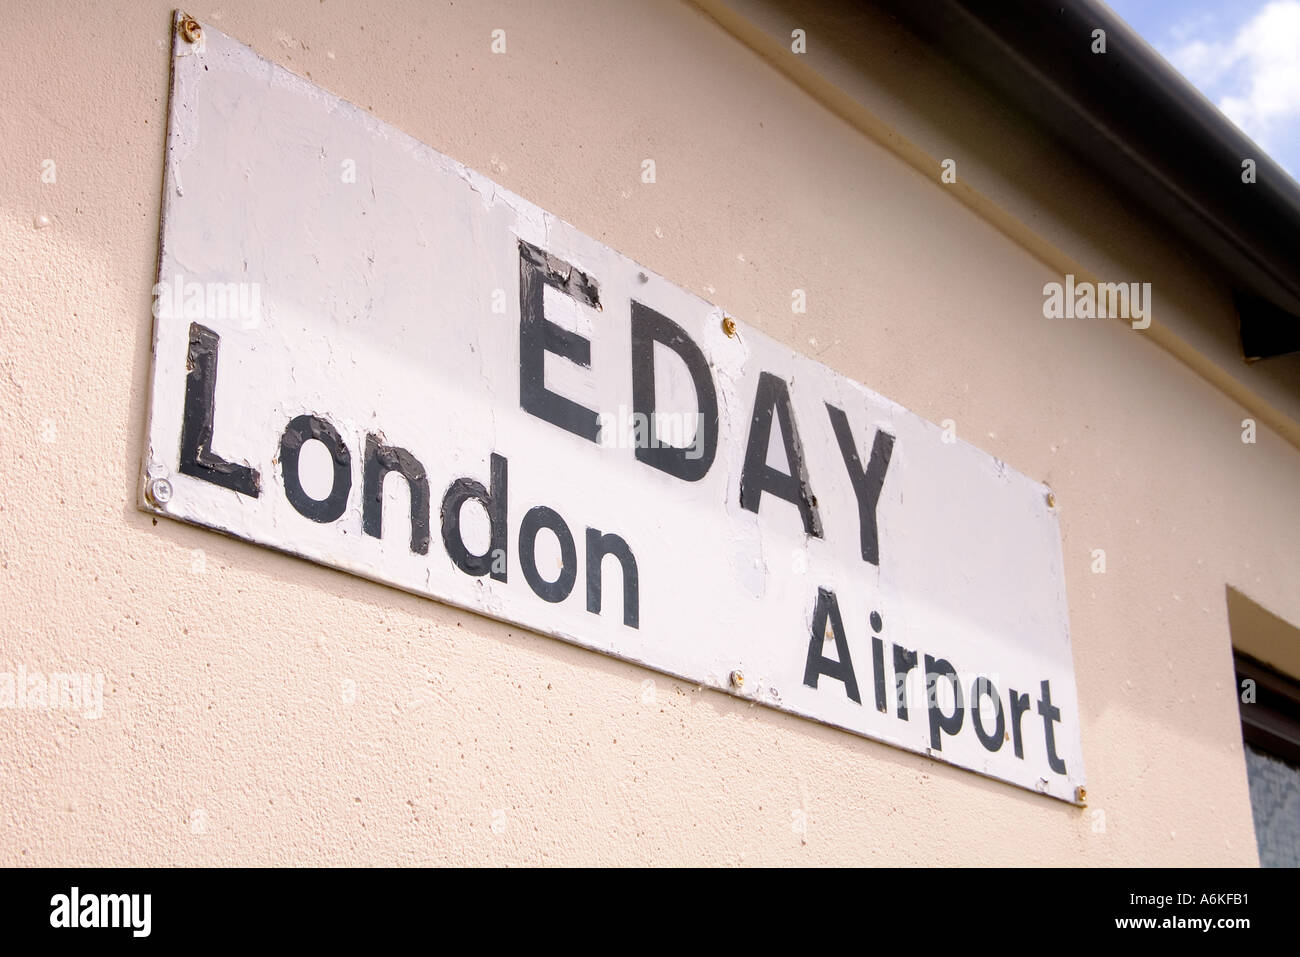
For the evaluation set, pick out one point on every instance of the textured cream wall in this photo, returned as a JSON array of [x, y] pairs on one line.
[[224, 712]]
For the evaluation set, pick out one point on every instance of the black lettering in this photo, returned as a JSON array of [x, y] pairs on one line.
[[379, 461], [866, 483], [904, 662], [1050, 714], [757, 476], [598, 546], [538, 518], [1019, 705], [936, 668], [689, 464], [492, 562], [993, 741], [878, 663], [197, 458], [817, 663], [303, 429], [538, 336]]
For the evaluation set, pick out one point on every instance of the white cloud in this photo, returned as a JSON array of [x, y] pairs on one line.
[[1254, 76], [1270, 45], [1201, 62]]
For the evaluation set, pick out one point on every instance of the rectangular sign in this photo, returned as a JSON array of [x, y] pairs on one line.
[[370, 356]]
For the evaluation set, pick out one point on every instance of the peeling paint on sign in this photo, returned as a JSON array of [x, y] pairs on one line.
[[413, 375]]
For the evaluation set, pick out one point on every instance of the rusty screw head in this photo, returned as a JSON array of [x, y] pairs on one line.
[[729, 325], [160, 491], [1051, 499], [191, 30], [737, 680]]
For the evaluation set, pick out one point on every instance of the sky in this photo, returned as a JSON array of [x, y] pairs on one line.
[[1243, 55]]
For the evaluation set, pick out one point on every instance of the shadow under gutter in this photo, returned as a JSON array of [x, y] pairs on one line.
[[1145, 128]]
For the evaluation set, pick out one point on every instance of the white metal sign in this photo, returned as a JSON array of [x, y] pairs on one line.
[[371, 356]]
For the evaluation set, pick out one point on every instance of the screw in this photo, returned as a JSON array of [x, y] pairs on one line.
[[1080, 795], [160, 491], [737, 680], [1051, 499], [191, 30], [729, 325]]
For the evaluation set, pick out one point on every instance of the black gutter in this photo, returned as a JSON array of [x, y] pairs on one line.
[[1147, 129]]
